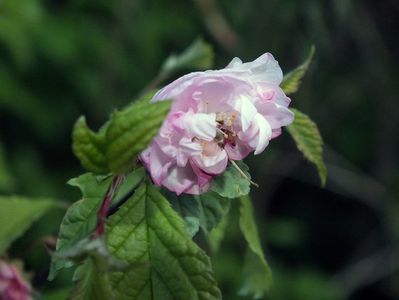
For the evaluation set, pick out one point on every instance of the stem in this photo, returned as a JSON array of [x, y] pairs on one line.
[[102, 212], [243, 174]]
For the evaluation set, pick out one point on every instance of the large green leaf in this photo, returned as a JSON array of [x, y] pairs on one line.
[[258, 276], [80, 219], [17, 214], [198, 55], [147, 230], [232, 184], [308, 140], [292, 80], [205, 211], [117, 144]]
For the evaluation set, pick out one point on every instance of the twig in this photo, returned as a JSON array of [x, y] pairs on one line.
[[103, 211], [243, 174], [217, 24]]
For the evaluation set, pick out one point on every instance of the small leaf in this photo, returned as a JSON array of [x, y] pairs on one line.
[[90, 247], [201, 211], [198, 55], [89, 147], [213, 208], [131, 130], [17, 214], [93, 275], [80, 219], [308, 140], [232, 184], [292, 80], [189, 209], [147, 230], [93, 281], [258, 276], [117, 144], [216, 235]]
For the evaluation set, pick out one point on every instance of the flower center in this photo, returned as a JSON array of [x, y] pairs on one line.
[[225, 128]]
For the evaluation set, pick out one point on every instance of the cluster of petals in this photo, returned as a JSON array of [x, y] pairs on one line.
[[12, 285], [217, 116]]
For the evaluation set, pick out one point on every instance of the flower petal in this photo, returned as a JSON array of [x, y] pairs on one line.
[[246, 110], [200, 125]]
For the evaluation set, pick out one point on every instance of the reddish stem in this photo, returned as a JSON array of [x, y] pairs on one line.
[[102, 212]]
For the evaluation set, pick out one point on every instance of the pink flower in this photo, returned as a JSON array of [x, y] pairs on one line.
[[216, 116], [12, 285]]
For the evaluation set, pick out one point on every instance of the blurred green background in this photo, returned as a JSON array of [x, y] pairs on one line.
[[63, 58]]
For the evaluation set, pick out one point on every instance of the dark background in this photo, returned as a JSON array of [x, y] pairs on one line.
[[61, 59]]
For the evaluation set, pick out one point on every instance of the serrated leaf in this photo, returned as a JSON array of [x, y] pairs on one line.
[[117, 144], [17, 214], [257, 273], [232, 184], [147, 230], [308, 140], [80, 219], [199, 55], [292, 80], [89, 147], [131, 130], [201, 211]]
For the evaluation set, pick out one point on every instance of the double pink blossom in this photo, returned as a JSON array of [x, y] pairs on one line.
[[12, 285], [216, 116]]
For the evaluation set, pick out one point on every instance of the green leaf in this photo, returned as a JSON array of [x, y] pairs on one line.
[[308, 140], [92, 247], [199, 55], [201, 211], [93, 275], [216, 235], [232, 184], [257, 273], [131, 130], [117, 144], [17, 214], [292, 80], [147, 230], [80, 219], [89, 147], [93, 281], [189, 209], [213, 208]]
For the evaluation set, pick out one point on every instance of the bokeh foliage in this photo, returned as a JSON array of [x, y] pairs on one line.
[[64, 58]]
